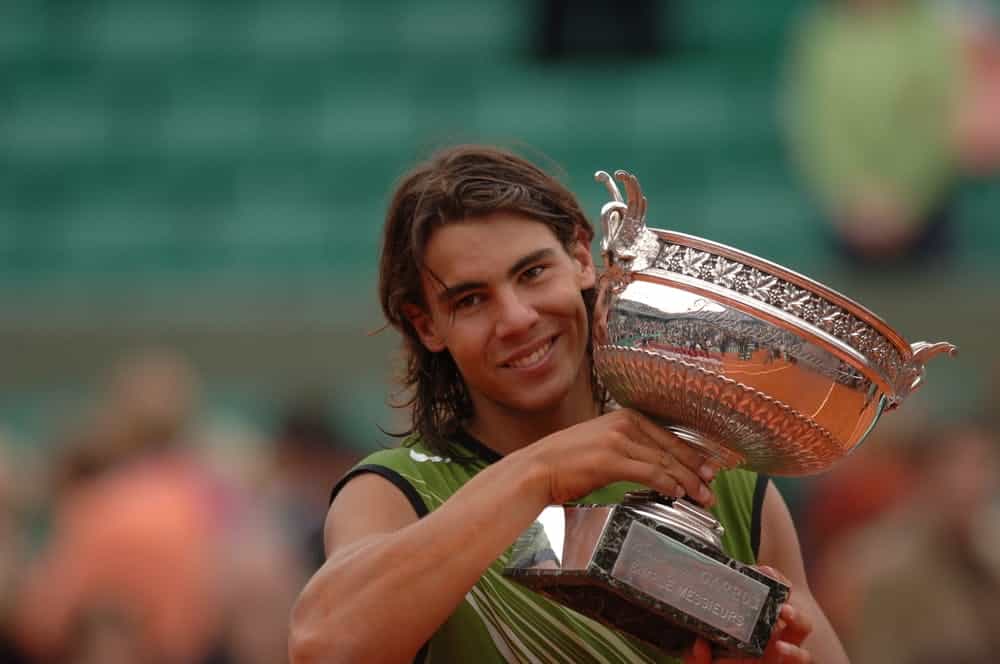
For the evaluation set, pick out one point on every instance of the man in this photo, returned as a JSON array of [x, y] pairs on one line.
[[486, 270], [874, 91]]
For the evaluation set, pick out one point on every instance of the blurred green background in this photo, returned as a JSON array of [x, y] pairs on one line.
[[212, 176]]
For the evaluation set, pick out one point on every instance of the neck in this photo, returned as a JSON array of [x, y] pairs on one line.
[[506, 430]]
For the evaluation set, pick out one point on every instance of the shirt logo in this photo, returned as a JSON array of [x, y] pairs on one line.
[[420, 457]]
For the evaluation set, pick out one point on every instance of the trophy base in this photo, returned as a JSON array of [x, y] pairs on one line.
[[665, 584]]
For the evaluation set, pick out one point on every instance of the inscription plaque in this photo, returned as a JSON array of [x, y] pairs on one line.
[[691, 581], [648, 573]]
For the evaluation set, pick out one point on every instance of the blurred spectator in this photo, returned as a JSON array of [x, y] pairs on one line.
[[589, 28], [928, 574], [309, 456], [978, 131], [10, 555], [108, 635], [9, 531], [264, 574], [874, 94], [858, 491], [992, 397], [131, 571]]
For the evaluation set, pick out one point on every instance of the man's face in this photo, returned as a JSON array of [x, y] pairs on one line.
[[506, 303]]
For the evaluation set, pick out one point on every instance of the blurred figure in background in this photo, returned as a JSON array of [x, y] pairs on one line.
[[263, 575], [874, 91], [589, 28], [857, 492], [278, 540], [978, 130], [131, 569], [308, 455], [11, 552], [927, 575]]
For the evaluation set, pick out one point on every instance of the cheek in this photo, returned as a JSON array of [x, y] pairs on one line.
[[469, 343], [576, 310]]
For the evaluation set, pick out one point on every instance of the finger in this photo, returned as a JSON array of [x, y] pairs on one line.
[[715, 464], [667, 449], [690, 481], [694, 485], [774, 574], [651, 476], [655, 474], [798, 624], [686, 454], [657, 470]]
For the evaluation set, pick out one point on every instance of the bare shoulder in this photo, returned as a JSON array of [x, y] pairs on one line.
[[367, 505]]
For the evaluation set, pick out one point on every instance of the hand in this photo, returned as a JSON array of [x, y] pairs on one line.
[[622, 445], [785, 646]]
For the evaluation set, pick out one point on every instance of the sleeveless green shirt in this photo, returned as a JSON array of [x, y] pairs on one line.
[[501, 621]]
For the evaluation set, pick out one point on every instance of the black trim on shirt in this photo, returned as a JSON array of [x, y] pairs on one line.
[[465, 439], [757, 510], [411, 495], [388, 474]]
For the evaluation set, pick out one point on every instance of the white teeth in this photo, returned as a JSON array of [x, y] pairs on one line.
[[530, 359]]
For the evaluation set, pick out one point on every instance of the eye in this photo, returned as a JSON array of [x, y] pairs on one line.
[[533, 272], [470, 300]]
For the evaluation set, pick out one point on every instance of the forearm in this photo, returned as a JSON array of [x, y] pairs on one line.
[[368, 591], [823, 642]]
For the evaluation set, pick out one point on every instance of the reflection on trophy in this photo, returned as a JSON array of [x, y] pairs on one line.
[[753, 364]]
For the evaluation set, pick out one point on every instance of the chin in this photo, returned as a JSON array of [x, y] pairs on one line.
[[544, 399]]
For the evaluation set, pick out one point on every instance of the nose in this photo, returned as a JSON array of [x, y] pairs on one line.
[[514, 314]]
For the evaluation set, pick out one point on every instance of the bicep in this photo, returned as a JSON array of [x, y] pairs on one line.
[[367, 506]]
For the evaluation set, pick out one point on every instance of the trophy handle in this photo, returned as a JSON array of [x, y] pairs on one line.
[[623, 221], [922, 352]]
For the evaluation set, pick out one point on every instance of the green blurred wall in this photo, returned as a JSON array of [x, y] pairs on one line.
[[212, 175]]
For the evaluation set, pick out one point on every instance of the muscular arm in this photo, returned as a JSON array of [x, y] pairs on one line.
[[391, 580], [380, 552], [779, 548]]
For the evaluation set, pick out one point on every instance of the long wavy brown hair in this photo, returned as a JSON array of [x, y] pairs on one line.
[[456, 184]]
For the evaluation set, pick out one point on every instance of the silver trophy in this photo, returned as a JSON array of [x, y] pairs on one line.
[[753, 364]]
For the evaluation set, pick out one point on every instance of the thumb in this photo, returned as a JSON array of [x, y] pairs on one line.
[[774, 574]]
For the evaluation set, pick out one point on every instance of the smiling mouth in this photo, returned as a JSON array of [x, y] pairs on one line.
[[531, 359]]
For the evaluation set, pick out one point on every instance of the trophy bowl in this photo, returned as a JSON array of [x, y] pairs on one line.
[[755, 365]]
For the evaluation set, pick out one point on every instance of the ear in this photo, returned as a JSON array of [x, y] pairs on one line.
[[423, 323], [580, 252]]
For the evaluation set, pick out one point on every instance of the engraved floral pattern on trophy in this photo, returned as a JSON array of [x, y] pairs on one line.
[[798, 302]]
